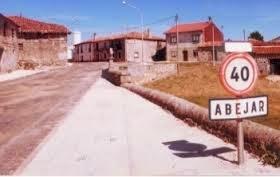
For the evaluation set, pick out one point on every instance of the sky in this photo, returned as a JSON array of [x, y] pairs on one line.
[[106, 17]]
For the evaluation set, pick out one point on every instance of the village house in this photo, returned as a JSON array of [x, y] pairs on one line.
[[8, 44], [195, 42], [40, 42], [126, 47], [267, 55]]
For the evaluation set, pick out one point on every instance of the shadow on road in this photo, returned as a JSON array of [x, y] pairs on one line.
[[187, 149]]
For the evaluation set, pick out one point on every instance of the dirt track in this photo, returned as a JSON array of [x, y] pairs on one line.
[[31, 107]]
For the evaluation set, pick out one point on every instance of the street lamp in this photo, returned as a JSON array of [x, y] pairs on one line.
[[142, 26]]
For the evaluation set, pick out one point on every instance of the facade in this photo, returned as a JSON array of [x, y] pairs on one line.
[[8, 44], [40, 42], [192, 38], [126, 48]]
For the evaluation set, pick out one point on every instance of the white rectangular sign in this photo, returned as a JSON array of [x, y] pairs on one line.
[[229, 109], [238, 47]]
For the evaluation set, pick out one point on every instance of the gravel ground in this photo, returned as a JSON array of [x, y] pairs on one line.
[[18, 74], [32, 106], [112, 131]]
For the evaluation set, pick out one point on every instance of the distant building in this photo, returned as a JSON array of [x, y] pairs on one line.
[[276, 39], [8, 44], [126, 47], [40, 42], [195, 42], [75, 38], [267, 55]]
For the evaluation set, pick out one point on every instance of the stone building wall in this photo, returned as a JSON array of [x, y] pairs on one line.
[[206, 54], [43, 51], [133, 48], [263, 65], [8, 45]]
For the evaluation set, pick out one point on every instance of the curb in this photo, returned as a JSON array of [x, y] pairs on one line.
[[258, 139]]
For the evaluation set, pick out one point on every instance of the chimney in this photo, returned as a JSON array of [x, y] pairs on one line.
[[148, 32], [209, 19], [94, 36]]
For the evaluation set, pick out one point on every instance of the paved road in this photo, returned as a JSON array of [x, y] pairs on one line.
[[32, 106], [115, 132]]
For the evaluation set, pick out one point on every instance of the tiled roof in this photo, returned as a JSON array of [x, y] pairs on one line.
[[34, 26], [189, 27], [276, 39], [130, 35], [266, 49]]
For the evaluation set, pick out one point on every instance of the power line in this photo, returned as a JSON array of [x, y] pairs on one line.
[[154, 23]]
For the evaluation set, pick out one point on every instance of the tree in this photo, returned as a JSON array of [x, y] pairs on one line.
[[256, 35]]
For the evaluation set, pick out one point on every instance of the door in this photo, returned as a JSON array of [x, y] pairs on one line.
[[275, 66], [186, 55], [1, 54]]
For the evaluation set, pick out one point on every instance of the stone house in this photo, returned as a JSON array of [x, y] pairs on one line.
[[126, 47], [40, 42], [8, 44], [267, 55], [194, 41]]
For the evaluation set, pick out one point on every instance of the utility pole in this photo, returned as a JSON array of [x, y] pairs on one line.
[[213, 41], [244, 34], [177, 34], [177, 40]]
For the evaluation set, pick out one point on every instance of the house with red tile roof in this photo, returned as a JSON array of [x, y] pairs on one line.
[[8, 44], [194, 41], [41, 42], [267, 56], [126, 47]]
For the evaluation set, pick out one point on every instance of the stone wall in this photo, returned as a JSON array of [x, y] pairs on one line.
[[263, 65], [121, 73], [153, 71], [8, 54], [8, 45], [43, 51]]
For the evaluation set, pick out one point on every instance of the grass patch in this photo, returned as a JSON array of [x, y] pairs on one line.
[[198, 82]]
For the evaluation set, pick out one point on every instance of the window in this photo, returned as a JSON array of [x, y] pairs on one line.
[[20, 46], [120, 55], [195, 38], [195, 53], [173, 39], [13, 33], [89, 48], [77, 49], [81, 49], [5, 29], [173, 53], [136, 54]]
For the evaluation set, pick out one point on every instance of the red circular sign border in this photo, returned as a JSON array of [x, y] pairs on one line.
[[229, 58]]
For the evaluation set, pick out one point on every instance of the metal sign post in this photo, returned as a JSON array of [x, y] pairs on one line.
[[240, 142], [238, 75]]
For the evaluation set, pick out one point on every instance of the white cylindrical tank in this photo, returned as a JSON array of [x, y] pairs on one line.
[[77, 37]]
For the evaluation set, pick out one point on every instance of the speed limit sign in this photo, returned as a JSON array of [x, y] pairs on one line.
[[239, 73]]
